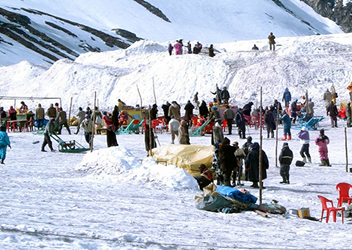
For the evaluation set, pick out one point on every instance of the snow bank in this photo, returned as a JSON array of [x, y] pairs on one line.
[[118, 163]]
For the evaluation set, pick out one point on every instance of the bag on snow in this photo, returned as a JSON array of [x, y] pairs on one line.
[[300, 163]]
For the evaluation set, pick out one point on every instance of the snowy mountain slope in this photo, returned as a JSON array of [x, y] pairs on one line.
[[310, 63], [65, 29]]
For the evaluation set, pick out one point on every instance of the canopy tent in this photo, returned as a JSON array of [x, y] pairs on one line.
[[15, 98], [188, 157]]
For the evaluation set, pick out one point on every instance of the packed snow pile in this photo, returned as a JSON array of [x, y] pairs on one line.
[[118, 163]]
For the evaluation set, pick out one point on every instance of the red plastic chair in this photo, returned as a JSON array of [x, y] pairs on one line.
[[344, 193], [332, 209], [224, 125]]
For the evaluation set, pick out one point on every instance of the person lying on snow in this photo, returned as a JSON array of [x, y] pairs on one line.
[[205, 177]]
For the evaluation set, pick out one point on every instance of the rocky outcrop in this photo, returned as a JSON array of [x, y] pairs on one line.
[[334, 10]]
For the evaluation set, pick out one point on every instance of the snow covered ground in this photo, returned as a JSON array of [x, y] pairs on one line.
[[116, 198]]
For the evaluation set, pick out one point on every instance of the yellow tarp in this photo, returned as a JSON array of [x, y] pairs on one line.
[[188, 157]]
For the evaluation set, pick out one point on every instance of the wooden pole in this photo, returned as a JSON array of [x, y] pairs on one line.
[[69, 112], [93, 118], [154, 91], [140, 98], [260, 150], [277, 136], [346, 149], [150, 134]]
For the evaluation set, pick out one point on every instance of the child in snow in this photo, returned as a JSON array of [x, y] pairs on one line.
[[322, 141], [303, 135], [4, 142]]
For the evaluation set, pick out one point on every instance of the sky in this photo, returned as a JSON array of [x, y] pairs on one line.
[[117, 198]]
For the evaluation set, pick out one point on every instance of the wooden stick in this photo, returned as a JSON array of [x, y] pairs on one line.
[[346, 149], [260, 151]]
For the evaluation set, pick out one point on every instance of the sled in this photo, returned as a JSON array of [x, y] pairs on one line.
[[132, 127], [68, 146], [311, 124], [198, 131]]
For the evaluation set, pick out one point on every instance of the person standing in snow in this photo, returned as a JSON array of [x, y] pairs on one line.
[[80, 117], [331, 111], [203, 110], [178, 47], [4, 143], [225, 95], [170, 48], [272, 42], [241, 124], [189, 48], [149, 139], [348, 114], [51, 112], [189, 110], [39, 116], [285, 159], [322, 142], [49, 130], [154, 112], [115, 118], [174, 110], [240, 156], [211, 51], [173, 126], [217, 135], [227, 160], [229, 115], [349, 87], [287, 126], [183, 136], [309, 110], [165, 107], [269, 120], [62, 120], [327, 97], [303, 135], [286, 97], [87, 125], [252, 164], [196, 101], [111, 136], [294, 111]]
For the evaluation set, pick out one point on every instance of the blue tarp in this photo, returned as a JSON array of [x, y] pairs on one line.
[[235, 194]]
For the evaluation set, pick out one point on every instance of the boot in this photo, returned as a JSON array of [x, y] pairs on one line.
[[304, 159], [227, 183], [283, 180], [289, 137], [272, 134], [284, 138], [287, 179], [323, 163], [309, 160], [327, 163], [2, 161]]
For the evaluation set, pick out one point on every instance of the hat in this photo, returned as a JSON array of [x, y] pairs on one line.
[[214, 108], [172, 116], [303, 128], [285, 144], [86, 116]]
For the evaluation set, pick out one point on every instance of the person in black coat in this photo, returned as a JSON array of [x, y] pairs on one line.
[[332, 112], [154, 112], [189, 110], [241, 124], [115, 118], [149, 139], [165, 108], [111, 136], [285, 160], [294, 111], [270, 123], [252, 164], [247, 109], [203, 110], [227, 160]]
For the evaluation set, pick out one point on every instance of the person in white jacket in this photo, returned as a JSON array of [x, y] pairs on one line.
[[173, 126]]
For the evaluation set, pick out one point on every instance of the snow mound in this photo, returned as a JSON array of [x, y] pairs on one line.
[[145, 46], [119, 163]]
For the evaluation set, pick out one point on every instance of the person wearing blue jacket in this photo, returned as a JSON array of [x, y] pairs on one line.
[[287, 97], [4, 143], [286, 119]]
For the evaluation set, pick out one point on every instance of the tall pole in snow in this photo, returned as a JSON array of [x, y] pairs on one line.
[[346, 149], [260, 150], [93, 118]]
